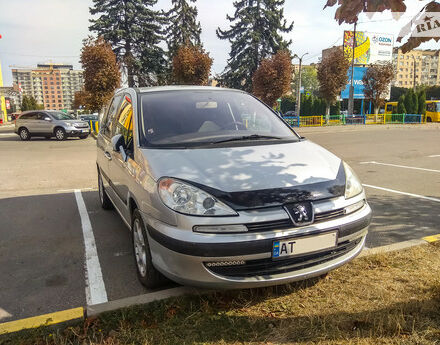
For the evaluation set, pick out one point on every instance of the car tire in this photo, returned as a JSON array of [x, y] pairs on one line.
[[106, 203], [83, 136], [60, 134], [148, 275], [24, 134], [428, 119]]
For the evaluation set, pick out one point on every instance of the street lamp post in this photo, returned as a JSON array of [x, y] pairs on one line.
[[298, 95], [414, 73], [351, 90]]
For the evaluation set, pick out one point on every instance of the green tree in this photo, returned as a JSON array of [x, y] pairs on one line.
[[183, 28], [134, 29], [401, 105], [415, 102], [30, 103], [309, 80], [287, 103], [335, 109], [254, 34], [101, 73], [396, 92], [422, 102]]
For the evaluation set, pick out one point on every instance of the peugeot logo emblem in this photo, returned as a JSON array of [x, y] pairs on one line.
[[300, 213]]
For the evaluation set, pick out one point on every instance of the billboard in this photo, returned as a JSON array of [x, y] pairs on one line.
[[357, 83], [370, 47]]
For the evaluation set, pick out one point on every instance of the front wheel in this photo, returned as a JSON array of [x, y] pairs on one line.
[[24, 134], [428, 119], [60, 134], [106, 203], [147, 274]]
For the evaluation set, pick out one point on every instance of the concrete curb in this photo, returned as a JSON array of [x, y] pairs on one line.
[[95, 310], [392, 247]]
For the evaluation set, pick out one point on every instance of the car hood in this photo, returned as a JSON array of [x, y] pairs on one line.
[[246, 168]]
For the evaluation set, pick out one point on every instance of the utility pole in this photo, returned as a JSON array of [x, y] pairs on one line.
[[351, 94], [414, 73], [298, 95]]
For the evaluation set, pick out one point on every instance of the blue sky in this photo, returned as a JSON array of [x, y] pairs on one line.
[[36, 31]]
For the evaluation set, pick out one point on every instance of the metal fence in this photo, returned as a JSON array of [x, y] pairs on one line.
[[369, 119], [94, 126]]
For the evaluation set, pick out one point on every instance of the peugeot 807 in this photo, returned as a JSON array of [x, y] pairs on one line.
[[218, 191]]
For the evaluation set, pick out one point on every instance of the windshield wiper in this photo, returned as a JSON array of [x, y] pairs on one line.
[[247, 137]]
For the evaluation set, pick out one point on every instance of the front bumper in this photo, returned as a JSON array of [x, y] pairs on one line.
[[74, 132], [190, 262]]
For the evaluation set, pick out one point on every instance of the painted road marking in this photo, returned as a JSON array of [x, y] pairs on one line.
[[433, 238], [42, 320], [95, 288], [403, 193], [400, 166], [432, 156], [73, 190]]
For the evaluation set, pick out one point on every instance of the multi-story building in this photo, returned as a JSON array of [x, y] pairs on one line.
[[416, 66], [53, 85]]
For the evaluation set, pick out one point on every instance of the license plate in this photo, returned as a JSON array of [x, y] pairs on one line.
[[303, 245], [85, 130]]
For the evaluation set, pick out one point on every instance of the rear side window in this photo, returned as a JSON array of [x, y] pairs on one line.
[[29, 116], [123, 123]]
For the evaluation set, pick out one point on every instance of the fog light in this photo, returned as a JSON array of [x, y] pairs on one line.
[[356, 206], [220, 228], [225, 263]]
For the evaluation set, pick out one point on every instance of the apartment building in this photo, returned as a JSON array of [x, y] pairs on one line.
[[53, 85], [416, 66]]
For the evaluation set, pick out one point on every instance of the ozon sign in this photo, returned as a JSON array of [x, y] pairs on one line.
[[381, 39]]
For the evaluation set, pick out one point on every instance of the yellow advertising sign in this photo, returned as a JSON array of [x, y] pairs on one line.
[[362, 47]]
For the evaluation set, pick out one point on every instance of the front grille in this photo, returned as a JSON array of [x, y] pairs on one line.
[[270, 225], [287, 223], [319, 217], [267, 267]]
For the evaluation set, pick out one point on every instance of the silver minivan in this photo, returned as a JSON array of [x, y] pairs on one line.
[[218, 191], [50, 123]]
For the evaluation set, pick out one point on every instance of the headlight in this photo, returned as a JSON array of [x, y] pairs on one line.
[[184, 198], [353, 186]]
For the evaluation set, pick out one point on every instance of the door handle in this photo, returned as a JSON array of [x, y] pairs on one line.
[[108, 155]]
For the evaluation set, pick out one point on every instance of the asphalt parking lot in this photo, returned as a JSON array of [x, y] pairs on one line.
[[42, 257]]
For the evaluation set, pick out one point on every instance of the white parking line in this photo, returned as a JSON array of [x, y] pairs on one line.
[[403, 193], [8, 134], [95, 288], [400, 166], [432, 156]]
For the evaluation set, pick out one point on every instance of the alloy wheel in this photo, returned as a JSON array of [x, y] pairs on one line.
[[139, 248], [59, 134]]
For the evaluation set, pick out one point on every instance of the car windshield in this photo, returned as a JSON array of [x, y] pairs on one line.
[[61, 116], [202, 117]]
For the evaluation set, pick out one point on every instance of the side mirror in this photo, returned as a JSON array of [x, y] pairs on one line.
[[118, 144]]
